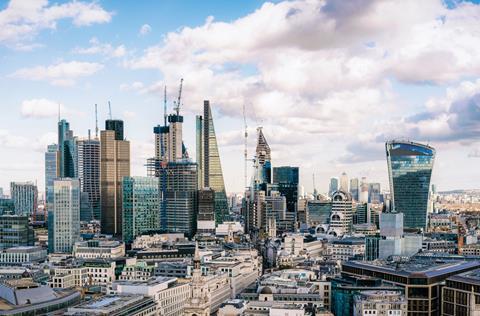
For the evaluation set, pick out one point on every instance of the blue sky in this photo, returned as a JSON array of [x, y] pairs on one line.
[[329, 81]]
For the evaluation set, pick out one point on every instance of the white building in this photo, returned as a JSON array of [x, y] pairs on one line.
[[22, 254], [169, 295], [372, 303], [347, 248], [95, 249], [341, 216], [66, 215]]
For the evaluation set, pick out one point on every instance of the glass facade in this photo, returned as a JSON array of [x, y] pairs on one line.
[[51, 172], [89, 175], [319, 212], [410, 168], [210, 167], [287, 180], [141, 203]]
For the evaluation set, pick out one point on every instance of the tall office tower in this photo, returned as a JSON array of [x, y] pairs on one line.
[[354, 188], [287, 178], [409, 169], [333, 187], [263, 157], [24, 196], [344, 182], [15, 231], [89, 175], [341, 218], [276, 208], [363, 198], [67, 151], [141, 203], [51, 172], [114, 165], [374, 193], [64, 220], [175, 143], [178, 194], [302, 211], [209, 164], [206, 211]]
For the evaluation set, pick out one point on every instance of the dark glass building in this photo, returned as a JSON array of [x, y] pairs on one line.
[[287, 179], [117, 126], [15, 231], [409, 169]]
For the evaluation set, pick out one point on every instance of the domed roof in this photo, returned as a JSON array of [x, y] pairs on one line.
[[266, 290]]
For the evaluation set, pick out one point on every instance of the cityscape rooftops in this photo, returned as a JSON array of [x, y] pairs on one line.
[[470, 277]]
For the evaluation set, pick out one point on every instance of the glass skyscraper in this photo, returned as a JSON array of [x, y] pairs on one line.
[[286, 178], [409, 169], [51, 172], [209, 164], [67, 148], [89, 175], [141, 207]]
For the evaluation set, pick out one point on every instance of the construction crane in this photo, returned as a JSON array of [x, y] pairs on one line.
[[245, 152], [165, 106], [179, 100], [96, 121], [109, 110]]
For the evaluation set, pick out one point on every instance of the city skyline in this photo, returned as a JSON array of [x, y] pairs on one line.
[[369, 90]]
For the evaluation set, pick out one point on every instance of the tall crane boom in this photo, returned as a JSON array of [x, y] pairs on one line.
[[165, 106], [179, 100], [245, 153]]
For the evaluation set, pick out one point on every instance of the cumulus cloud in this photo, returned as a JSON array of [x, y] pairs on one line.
[[21, 20], [40, 108], [145, 29], [105, 49], [60, 74], [9, 140]]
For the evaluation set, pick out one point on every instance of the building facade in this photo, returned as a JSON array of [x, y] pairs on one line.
[[410, 168], [51, 172], [141, 206], [341, 218], [114, 165], [15, 231], [25, 197], [88, 151]]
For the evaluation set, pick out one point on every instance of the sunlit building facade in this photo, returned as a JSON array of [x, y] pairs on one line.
[[410, 168]]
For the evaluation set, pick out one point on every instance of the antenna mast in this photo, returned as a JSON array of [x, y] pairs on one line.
[[109, 110], [96, 121]]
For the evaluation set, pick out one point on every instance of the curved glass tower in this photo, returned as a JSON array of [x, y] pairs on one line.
[[409, 170]]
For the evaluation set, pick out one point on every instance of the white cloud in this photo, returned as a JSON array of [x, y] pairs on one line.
[[98, 48], [129, 114], [145, 29], [60, 74], [9, 140], [40, 108], [21, 20]]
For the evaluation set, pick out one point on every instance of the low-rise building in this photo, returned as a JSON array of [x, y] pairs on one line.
[[168, 293], [132, 305], [99, 249], [140, 271], [380, 303], [346, 248], [21, 255], [461, 294]]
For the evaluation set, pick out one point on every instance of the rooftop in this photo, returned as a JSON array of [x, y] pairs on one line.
[[470, 277]]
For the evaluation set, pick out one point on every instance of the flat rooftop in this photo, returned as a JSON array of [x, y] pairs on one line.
[[470, 277], [415, 267]]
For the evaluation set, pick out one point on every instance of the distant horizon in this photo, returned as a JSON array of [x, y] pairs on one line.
[[329, 81]]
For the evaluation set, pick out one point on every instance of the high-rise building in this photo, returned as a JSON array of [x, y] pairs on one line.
[[363, 198], [89, 175], [64, 220], [206, 211], [161, 142], [341, 218], [287, 178], [7, 206], [67, 149], [410, 168], [209, 164], [275, 208], [175, 140], [24, 196], [354, 189], [333, 187], [51, 172], [178, 195], [374, 193], [344, 182], [15, 232], [263, 155], [114, 165], [141, 204]]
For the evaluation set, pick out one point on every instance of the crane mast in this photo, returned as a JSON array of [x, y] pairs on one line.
[[245, 152], [177, 106]]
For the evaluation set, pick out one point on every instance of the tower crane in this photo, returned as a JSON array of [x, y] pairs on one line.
[[245, 152], [179, 100]]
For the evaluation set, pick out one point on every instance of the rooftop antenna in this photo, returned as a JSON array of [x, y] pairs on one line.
[[109, 110], [165, 105], [59, 112], [96, 121]]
